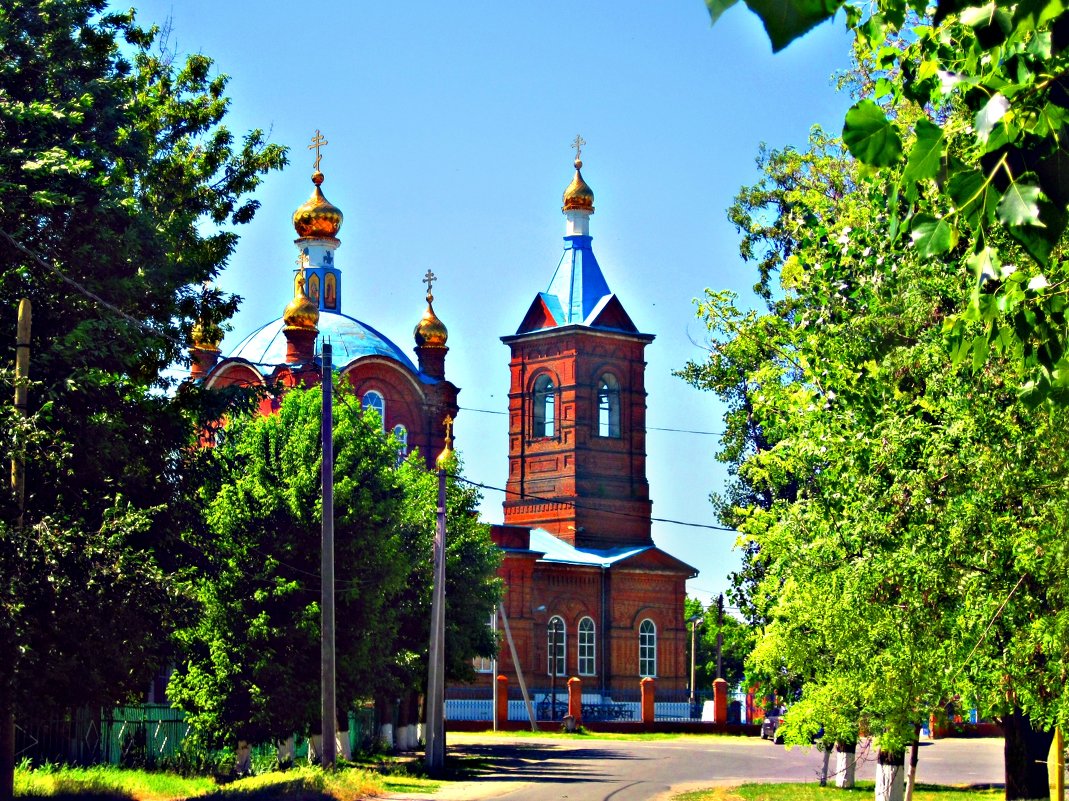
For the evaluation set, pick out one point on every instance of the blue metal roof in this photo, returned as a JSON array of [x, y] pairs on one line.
[[578, 283], [557, 550], [352, 339]]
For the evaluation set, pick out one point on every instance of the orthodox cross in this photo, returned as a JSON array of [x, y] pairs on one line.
[[302, 262], [429, 280], [317, 142], [448, 423], [578, 145]]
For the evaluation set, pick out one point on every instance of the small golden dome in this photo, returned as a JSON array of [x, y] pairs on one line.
[[301, 312], [317, 216], [578, 195], [206, 336], [430, 331]]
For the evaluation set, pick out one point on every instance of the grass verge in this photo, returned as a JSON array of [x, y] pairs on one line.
[[106, 783], [814, 792]]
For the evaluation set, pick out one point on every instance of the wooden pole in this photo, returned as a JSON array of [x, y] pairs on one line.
[[18, 484], [328, 698]]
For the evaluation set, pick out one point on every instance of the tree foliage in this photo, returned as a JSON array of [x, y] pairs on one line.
[[114, 167], [905, 513], [251, 662], [981, 175]]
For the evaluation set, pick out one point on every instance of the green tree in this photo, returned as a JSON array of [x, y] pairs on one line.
[[114, 165], [736, 645], [250, 667], [982, 174], [892, 573]]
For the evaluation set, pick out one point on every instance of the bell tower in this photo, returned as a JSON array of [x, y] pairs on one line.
[[577, 402]]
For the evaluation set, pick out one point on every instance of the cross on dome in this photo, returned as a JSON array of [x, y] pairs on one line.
[[317, 142], [429, 280], [578, 143]]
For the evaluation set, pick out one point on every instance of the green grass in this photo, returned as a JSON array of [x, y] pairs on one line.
[[812, 792], [106, 783]]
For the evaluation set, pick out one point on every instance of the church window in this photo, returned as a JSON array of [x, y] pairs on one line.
[[544, 407], [400, 433], [608, 406], [555, 646], [586, 647], [647, 649], [374, 400]]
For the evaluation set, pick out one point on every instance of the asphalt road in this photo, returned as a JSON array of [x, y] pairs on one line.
[[616, 770]]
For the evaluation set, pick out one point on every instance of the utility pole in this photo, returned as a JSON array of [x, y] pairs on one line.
[[435, 756], [329, 704], [18, 484], [693, 620], [719, 634]]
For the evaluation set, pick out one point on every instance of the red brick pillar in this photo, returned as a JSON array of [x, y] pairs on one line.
[[720, 701], [501, 714], [648, 686], [575, 699]]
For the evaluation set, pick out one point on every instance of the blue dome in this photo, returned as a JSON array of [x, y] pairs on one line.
[[266, 347]]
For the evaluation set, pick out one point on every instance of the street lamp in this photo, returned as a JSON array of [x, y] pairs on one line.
[[694, 620]]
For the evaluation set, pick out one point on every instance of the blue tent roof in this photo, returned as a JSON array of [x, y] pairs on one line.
[[578, 283], [352, 339]]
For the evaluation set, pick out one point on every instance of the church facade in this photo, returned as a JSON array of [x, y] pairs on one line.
[[587, 593], [413, 400]]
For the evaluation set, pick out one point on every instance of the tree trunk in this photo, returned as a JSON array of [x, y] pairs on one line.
[[890, 774], [845, 765], [911, 778], [7, 752], [1026, 758], [824, 768]]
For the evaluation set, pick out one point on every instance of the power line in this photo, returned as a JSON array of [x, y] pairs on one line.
[[579, 505], [648, 428]]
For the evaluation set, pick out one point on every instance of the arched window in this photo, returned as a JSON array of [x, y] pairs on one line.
[[647, 649], [544, 406], [374, 400], [555, 646], [586, 647], [608, 406], [400, 433]]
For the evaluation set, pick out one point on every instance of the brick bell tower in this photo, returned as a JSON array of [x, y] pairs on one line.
[[577, 402]]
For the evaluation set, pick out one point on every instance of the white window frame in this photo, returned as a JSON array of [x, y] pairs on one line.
[[561, 643], [609, 406], [400, 433], [586, 643], [647, 649], [373, 399], [544, 396]]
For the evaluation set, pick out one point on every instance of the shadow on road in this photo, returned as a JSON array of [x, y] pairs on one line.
[[542, 763]]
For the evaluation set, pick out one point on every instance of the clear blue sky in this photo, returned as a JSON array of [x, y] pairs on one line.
[[449, 127]]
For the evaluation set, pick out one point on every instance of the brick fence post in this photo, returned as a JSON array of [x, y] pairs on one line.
[[720, 701], [648, 688], [575, 699], [501, 714]]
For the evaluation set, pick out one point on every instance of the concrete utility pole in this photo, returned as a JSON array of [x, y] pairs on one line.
[[693, 620], [329, 704], [18, 484], [435, 756], [719, 634]]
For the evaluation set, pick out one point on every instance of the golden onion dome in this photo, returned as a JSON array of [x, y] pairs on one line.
[[301, 312], [317, 217], [578, 196], [206, 336], [430, 331]]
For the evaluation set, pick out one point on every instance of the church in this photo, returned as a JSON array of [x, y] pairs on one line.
[[586, 591]]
